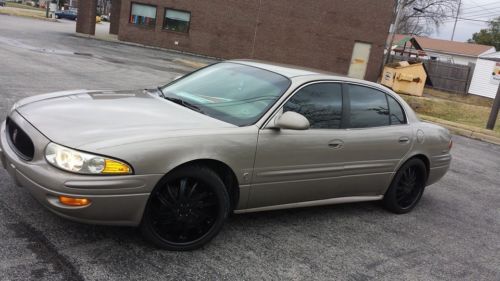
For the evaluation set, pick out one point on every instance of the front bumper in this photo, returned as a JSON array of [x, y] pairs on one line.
[[115, 200]]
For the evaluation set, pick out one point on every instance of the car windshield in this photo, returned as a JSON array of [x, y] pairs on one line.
[[231, 92]]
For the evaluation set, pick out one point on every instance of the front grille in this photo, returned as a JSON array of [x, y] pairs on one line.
[[19, 141]]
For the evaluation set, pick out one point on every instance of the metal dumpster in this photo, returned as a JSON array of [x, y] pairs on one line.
[[405, 77]]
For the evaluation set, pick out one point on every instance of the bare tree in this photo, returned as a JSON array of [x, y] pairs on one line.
[[429, 16]]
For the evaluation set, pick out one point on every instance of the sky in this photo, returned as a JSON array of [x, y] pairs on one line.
[[470, 9]]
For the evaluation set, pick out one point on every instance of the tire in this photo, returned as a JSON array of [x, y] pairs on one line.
[[186, 210], [407, 187]]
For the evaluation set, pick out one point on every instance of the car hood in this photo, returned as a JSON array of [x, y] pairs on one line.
[[78, 118]]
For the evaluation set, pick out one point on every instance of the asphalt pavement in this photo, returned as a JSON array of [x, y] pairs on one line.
[[454, 234]]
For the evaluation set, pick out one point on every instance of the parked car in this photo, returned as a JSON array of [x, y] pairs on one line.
[[66, 14], [237, 136], [2, 3]]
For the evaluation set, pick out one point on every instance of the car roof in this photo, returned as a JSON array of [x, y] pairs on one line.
[[302, 73], [286, 70]]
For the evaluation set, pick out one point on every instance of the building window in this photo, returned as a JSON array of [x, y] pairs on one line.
[[176, 20], [144, 15]]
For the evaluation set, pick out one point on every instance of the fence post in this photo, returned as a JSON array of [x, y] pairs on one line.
[[494, 111], [472, 67]]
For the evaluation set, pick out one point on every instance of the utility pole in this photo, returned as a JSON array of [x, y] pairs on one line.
[[494, 111], [47, 4], [393, 31], [456, 19]]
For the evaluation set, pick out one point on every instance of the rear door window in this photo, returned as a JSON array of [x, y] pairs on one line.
[[368, 107]]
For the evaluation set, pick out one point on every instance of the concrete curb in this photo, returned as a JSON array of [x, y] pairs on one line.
[[464, 130], [88, 36]]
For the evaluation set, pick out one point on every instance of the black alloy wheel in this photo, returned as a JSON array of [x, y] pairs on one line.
[[186, 210], [407, 187]]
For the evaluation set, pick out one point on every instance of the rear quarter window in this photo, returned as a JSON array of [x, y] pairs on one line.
[[397, 115]]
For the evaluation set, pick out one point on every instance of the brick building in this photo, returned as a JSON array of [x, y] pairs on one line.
[[341, 36]]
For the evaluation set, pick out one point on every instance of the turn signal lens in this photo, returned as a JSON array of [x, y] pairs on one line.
[[115, 167], [70, 201]]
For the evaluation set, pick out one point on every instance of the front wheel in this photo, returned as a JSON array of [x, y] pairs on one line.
[[407, 187], [186, 210]]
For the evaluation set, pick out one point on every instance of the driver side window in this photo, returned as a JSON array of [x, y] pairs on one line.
[[320, 103]]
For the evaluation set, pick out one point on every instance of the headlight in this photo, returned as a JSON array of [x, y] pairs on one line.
[[84, 163]]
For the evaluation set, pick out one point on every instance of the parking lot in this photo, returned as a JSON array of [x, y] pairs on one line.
[[454, 234]]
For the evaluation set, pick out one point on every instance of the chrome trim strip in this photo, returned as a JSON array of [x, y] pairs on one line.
[[331, 201], [258, 184], [300, 171], [336, 168]]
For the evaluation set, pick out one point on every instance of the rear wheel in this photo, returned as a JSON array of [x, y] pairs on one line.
[[407, 187], [186, 209]]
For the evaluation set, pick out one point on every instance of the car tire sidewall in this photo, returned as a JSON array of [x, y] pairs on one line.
[[390, 202], [217, 186]]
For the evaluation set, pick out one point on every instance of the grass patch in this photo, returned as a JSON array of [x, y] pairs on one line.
[[454, 109], [21, 6], [468, 99], [29, 13]]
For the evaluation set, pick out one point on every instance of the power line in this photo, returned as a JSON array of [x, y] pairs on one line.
[[481, 16], [491, 14], [466, 19], [485, 17], [456, 20], [448, 16], [493, 11], [482, 6]]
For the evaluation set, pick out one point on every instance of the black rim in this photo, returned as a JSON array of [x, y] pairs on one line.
[[409, 187], [184, 210]]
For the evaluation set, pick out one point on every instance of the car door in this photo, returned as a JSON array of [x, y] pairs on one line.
[[301, 165], [376, 138]]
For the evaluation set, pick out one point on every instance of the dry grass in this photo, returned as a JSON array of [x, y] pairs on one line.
[[468, 99], [467, 110], [22, 12], [21, 6]]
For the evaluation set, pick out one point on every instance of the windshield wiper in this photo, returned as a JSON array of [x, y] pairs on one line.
[[184, 103]]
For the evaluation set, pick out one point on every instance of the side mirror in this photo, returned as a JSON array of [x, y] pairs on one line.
[[292, 120]]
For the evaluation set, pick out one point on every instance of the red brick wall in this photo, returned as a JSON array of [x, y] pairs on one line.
[[116, 8], [319, 33], [86, 17]]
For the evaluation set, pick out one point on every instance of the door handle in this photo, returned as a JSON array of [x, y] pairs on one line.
[[404, 139], [336, 144]]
